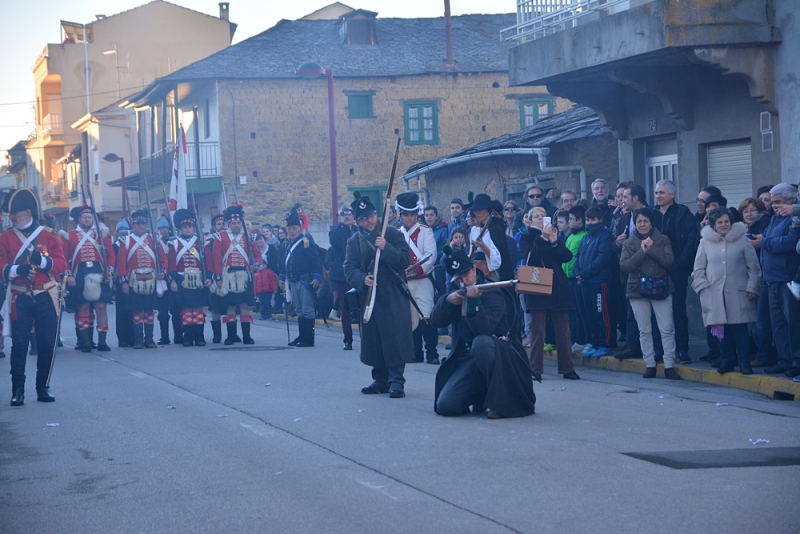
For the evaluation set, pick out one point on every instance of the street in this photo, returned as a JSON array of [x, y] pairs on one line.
[[268, 438]]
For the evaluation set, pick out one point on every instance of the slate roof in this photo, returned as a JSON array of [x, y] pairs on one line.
[[576, 123], [405, 47]]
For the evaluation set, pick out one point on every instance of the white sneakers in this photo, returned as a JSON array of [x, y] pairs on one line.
[[794, 287]]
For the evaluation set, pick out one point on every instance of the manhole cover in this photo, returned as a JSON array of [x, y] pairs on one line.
[[249, 349]]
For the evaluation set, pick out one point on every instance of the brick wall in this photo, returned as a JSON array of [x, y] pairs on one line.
[[282, 133]]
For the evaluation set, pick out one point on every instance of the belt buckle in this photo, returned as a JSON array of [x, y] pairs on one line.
[[90, 264]]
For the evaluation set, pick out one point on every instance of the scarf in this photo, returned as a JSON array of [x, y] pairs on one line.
[[643, 236]]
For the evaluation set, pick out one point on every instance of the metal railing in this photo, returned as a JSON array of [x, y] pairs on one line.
[[539, 18], [52, 125], [158, 167]]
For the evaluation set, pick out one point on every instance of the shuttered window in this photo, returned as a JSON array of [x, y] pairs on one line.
[[730, 168], [359, 106]]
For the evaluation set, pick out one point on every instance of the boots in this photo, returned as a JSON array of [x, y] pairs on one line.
[[301, 333], [101, 342], [187, 335], [138, 336], [216, 328], [199, 338], [148, 337], [236, 338], [231, 333], [246, 334], [18, 399], [306, 332], [84, 340], [164, 327]]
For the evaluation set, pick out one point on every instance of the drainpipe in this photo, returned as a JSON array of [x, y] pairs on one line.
[[540, 152]]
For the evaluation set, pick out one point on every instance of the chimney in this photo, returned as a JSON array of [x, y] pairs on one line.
[[448, 35], [224, 10]]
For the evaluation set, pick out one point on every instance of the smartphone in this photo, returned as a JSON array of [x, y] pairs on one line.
[[546, 221], [749, 236]]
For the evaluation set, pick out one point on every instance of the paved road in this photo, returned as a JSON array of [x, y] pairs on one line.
[[282, 441]]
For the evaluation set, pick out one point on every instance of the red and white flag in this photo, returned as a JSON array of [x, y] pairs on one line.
[[177, 185]]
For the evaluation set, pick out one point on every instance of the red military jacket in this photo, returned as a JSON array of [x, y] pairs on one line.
[[184, 254], [90, 249], [48, 243], [232, 251], [139, 253]]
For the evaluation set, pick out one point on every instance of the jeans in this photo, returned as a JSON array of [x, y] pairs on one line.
[[662, 310], [785, 315], [632, 333], [681, 282], [468, 384], [766, 349], [736, 341]]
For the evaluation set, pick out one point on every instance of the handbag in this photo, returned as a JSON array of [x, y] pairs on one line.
[[653, 287], [534, 280]]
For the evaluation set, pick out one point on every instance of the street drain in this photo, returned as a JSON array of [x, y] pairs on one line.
[[249, 349], [763, 457]]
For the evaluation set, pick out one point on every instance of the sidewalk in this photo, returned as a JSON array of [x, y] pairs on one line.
[[776, 387]]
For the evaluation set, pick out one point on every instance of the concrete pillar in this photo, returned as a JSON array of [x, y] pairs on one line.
[[787, 87]]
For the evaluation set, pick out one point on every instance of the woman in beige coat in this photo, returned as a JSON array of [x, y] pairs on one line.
[[727, 276]]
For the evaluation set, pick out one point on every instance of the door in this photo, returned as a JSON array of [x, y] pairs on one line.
[[730, 168]]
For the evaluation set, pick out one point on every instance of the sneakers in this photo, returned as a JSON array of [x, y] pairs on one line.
[[587, 351], [601, 351], [684, 357], [576, 348], [549, 347], [794, 287]]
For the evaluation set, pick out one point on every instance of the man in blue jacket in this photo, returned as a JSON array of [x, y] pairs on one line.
[[593, 270], [779, 264]]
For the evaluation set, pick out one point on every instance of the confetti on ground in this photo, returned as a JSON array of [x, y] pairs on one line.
[[170, 407], [298, 419], [551, 389], [267, 384], [758, 441], [723, 404], [563, 389], [661, 396], [52, 424], [361, 410], [223, 415]]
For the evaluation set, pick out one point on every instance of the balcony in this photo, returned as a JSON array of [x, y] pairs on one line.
[[158, 167], [539, 18], [52, 125]]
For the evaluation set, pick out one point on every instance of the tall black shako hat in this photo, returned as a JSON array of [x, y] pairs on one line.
[[481, 201], [235, 213], [407, 202], [183, 216], [456, 263], [217, 217], [362, 207], [76, 212], [139, 216], [21, 200], [293, 219]]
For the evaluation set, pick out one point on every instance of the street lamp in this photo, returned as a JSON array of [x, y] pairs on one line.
[[310, 70], [111, 157]]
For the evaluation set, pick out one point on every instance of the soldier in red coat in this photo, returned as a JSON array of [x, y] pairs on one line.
[[217, 303], [234, 263], [188, 280], [141, 266], [91, 261], [31, 258]]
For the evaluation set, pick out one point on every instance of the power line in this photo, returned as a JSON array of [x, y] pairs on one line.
[[66, 97]]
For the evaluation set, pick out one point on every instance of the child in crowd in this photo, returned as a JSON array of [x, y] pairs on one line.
[[265, 283], [593, 270], [577, 231]]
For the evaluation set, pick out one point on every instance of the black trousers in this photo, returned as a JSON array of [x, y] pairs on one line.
[[123, 320], [32, 311], [468, 384], [430, 335]]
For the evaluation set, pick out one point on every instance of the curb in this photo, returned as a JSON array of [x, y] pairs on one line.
[[769, 386]]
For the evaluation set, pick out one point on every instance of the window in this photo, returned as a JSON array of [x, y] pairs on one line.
[[421, 123], [359, 107], [532, 111]]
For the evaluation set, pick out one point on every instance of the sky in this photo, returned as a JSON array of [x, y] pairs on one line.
[[33, 23]]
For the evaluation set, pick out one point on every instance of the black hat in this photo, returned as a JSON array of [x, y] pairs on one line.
[[497, 207], [407, 202], [76, 212], [183, 216], [456, 263], [21, 200], [139, 216], [235, 213], [293, 219], [217, 217], [362, 207], [482, 201]]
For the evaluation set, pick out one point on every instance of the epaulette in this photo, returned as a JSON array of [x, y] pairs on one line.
[[305, 242], [64, 234], [51, 230], [424, 225]]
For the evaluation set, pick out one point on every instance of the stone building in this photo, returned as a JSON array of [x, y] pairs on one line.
[[564, 152], [390, 79], [702, 92]]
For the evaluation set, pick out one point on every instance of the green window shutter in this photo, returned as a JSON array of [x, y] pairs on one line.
[[359, 107], [532, 111], [421, 123]]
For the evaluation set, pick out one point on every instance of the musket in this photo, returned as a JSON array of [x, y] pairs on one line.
[[286, 315], [489, 286], [166, 201], [422, 260], [198, 228], [62, 293], [244, 227], [100, 237], [370, 300], [152, 224]]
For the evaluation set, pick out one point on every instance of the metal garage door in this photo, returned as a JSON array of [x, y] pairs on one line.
[[730, 167]]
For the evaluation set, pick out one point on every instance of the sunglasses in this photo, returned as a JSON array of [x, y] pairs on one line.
[[344, 213], [536, 195], [509, 209]]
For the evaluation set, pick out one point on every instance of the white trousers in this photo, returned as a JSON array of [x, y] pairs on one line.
[[663, 310]]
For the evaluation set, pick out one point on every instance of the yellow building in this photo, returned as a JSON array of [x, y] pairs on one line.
[[95, 65]]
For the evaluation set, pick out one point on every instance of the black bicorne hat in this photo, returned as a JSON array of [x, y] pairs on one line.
[[362, 207], [184, 216], [293, 219], [21, 200], [456, 263], [407, 202]]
